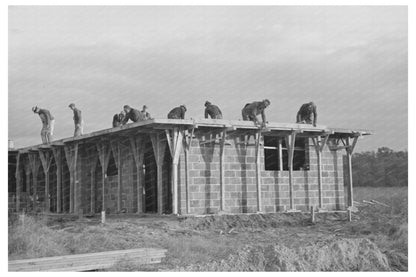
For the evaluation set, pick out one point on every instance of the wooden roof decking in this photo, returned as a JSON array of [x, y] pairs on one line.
[[159, 125]]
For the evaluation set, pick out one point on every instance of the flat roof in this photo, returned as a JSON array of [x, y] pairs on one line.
[[159, 125]]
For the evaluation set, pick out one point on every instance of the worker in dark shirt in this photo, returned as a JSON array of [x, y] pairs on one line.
[[118, 118], [212, 110], [251, 110], [48, 124], [79, 123], [307, 114], [177, 113], [132, 114]]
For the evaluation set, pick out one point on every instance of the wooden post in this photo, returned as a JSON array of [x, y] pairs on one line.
[[18, 182], [46, 159], [350, 186], [115, 148], [313, 214], [137, 145], [57, 153], [71, 154], [34, 164], [92, 154], [104, 157], [279, 147], [258, 171], [222, 176], [175, 142], [290, 144], [159, 151], [27, 172]]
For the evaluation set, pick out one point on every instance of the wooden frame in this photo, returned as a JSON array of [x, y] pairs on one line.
[[175, 143], [159, 151], [57, 154], [46, 160], [71, 154], [104, 153], [137, 145]]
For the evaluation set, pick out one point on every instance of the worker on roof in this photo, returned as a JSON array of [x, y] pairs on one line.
[[118, 118], [307, 114], [212, 110], [79, 123], [177, 113], [251, 110], [48, 124], [145, 113], [133, 114]]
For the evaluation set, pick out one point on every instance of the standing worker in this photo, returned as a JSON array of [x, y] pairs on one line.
[[145, 113], [132, 114], [212, 110], [79, 123], [251, 110], [48, 123], [177, 113]]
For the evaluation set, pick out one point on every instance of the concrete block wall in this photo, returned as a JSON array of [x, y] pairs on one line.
[[240, 180]]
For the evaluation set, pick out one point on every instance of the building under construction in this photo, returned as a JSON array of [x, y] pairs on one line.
[[169, 166]]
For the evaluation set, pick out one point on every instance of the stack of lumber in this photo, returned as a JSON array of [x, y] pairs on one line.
[[90, 261]]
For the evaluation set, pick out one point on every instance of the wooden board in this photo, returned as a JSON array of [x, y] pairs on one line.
[[90, 261], [161, 124]]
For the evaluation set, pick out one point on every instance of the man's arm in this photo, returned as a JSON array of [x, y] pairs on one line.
[[206, 113], [126, 118], [263, 116]]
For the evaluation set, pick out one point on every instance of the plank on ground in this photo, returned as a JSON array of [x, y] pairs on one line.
[[88, 261]]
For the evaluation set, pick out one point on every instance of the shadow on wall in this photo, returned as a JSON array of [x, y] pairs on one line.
[[207, 153], [242, 154]]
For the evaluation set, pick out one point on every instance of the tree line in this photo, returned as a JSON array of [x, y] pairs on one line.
[[384, 168]]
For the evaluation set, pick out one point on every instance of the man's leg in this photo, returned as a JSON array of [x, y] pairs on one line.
[[50, 130], [43, 135]]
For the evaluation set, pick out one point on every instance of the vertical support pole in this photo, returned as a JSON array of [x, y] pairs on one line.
[[27, 172], [92, 155], [279, 148], [58, 161], [258, 171], [175, 158], [319, 156], [18, 182], [92, 191], [46, 160], [34, 164], [104, 157], [290, 144], [71, 154], [222, 176], [313, 214], [159, 151], [350, 186], [137, 146], [115, 148]]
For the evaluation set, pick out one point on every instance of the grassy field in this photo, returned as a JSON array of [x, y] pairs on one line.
[[376, 239]]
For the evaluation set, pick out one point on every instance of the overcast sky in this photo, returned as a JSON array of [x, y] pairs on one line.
[[351, 61]]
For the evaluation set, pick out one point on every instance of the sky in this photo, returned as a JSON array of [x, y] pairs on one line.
[[352, 61]]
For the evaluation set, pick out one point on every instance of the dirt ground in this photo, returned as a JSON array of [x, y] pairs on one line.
[[376, 240]]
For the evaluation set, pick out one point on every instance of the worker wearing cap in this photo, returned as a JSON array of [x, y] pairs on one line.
[[48, 124], [145, 113], [79, 123], [212, 110], [251, 110], [177, 113], [132, 114]]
